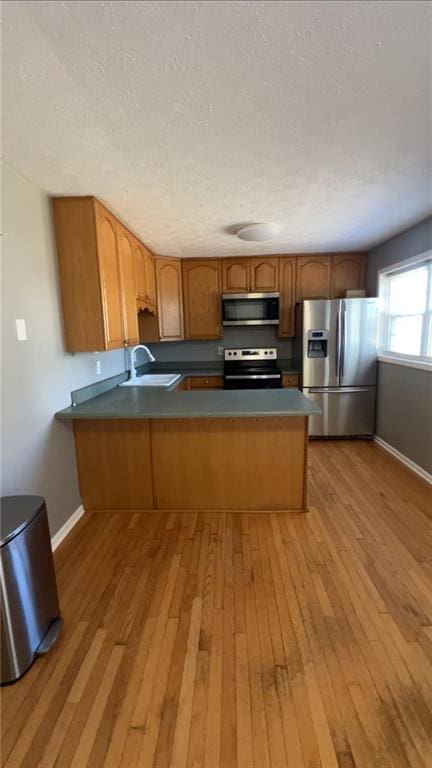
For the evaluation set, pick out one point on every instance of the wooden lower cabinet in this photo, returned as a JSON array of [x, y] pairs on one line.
[[205, 382], [114, 463], [291, 380], [256, 464]]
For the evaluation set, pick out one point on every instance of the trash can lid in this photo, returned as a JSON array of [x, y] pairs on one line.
[[16, 512]]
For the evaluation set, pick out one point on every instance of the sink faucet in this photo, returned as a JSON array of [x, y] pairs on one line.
[[132, 359]]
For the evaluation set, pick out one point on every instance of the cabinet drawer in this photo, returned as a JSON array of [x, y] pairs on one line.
[[206, 382], [290, 380]]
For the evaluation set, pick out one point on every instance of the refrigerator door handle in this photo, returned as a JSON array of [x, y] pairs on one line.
[[338, 346], [342, 342], [336, 390]]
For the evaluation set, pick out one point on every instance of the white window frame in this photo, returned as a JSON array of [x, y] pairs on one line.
[[384, 354]]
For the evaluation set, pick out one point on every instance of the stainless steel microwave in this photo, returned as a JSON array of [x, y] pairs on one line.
[[250, 309]]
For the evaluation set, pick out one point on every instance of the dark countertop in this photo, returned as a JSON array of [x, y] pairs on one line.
[[149, 403]]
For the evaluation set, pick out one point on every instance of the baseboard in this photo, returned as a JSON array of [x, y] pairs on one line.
[[404, 459], [67, 527]]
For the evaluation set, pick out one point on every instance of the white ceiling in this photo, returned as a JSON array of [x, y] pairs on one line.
[[189, 118]]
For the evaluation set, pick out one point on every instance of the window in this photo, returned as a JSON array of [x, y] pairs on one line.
[[405, 293]]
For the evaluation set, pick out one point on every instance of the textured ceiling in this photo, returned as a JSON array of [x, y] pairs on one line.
[[189, 118]]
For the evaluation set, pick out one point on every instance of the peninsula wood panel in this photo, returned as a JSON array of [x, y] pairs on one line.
[[114, 463], [247, 463], [347, 273], [170, 299]]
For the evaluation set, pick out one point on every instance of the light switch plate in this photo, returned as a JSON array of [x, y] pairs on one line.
[[98, 368], [21, 330]]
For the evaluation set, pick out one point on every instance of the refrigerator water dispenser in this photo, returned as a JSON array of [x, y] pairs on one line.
[[317, 343]]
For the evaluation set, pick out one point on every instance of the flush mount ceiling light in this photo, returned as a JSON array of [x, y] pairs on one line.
[[257, 232]]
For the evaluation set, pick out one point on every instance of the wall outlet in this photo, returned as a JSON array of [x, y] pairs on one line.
[[220, 351], [98, 368]]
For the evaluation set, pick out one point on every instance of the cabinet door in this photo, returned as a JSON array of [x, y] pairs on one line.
[[128, 287], [287, 268], [348, 273], [264, 274], [140, 275], [312, 277], [150, 277], [170, 299], [109, 278], [236, 275], [202, 298]]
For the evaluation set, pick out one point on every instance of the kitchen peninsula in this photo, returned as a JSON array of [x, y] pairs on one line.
[[198, 450]]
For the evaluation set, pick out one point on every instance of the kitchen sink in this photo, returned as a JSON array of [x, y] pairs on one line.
[[161, 380]]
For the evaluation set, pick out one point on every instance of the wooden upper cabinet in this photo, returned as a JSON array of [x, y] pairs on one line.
[[264, 274], [106, 227], [97, 276], [347, 273], [257, 274], [140, 274], [313, 277], [202, 298], [236, 275], [287, 271], [150, 277], [128, 285], [170, 299]]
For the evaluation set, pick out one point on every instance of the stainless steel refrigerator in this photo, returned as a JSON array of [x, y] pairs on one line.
[[339, 349]]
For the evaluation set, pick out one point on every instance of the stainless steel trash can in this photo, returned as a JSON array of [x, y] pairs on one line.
[[30, 614]]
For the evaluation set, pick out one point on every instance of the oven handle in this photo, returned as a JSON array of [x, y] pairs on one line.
[[253, 376], [250, 322]]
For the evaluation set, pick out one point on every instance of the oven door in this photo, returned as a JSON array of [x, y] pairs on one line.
[[252, 381], [250, 309]]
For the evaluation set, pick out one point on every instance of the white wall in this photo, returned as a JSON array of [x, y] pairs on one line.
[[37, 376]]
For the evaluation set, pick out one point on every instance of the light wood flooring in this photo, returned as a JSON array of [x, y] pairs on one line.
[[243, 640]]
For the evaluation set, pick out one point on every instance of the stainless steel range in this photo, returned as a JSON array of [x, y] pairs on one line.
[[251, 369]]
